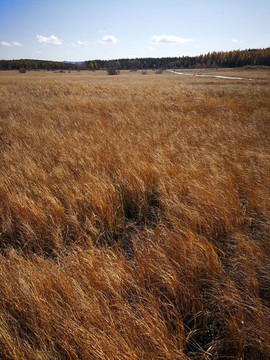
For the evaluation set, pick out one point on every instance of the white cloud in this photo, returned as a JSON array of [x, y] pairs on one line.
[[4, 43], [237, 41], [171, 39], [151, 48], [14, 43], [51, 40], [85, 43], [38, 52], [102, 31], [108, 39]]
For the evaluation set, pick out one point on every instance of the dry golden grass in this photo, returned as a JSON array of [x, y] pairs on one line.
[[134, 217]]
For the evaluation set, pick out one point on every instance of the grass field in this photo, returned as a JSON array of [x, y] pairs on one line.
[[134, 216]]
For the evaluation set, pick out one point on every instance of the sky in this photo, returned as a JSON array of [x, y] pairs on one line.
[[78, 30]]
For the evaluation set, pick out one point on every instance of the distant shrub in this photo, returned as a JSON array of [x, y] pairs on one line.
[[113, 68], [144, 72], [22, 70], [112, 71], [159, 71]]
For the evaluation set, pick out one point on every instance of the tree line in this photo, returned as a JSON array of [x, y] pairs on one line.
[[230, 59], [30, 64], [215, 59]]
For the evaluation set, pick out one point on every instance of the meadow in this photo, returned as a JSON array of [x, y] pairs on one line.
[[134, 216]]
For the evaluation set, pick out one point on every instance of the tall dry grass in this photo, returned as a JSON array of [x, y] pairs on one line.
[[134, 217]]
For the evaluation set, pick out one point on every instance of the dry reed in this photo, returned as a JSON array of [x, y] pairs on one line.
[[134, 217]]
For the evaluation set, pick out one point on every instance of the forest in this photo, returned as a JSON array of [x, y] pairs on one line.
[[229, 59], [30, 64]]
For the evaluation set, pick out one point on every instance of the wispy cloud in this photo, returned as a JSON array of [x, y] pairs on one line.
[[151, 48], [4, 43], [102, 31], [38, 52], [237, 41], [51, 40], [171, 39], [82, 43], [108, 39], [14, 43]]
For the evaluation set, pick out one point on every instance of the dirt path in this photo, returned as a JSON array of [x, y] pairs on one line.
[[212, 76]]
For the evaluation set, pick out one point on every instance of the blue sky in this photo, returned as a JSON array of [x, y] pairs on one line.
[[80, 30]]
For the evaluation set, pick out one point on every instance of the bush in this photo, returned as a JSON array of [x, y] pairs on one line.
[[113, 68], [22, 70], [113, 71]]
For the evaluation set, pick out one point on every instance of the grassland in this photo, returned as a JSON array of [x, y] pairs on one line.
[[134, 216]]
